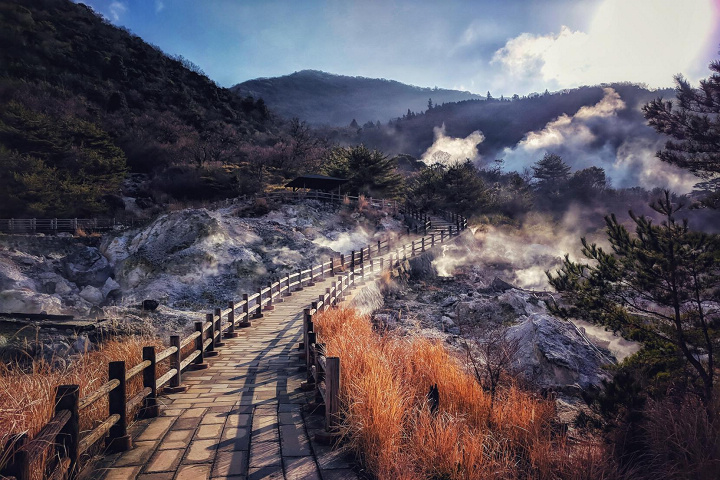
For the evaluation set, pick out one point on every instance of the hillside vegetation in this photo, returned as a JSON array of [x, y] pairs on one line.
[[83, 102], [324, 98]]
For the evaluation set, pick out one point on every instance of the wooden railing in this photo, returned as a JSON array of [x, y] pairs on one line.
[[54, 225], [57, 448]]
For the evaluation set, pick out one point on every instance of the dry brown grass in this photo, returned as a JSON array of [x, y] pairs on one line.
[[387, 422], [27, 393]]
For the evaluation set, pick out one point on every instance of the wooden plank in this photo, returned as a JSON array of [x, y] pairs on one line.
[[88, 400], [138, 398], [165, 353], [136, 369], [189, 359], [165, 378], [189, 339], [97, 433]]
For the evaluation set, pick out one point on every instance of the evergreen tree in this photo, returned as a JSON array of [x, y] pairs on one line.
[[694, 123], [369, 172], [430, 104], [551, 172], [662, 284]]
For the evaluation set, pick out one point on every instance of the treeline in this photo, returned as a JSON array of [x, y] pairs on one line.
[[504, 122]]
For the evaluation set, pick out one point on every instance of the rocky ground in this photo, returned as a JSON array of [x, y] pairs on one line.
[[475, 304], [187, 261]]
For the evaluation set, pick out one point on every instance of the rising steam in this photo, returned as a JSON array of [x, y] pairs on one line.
[[446, 149]]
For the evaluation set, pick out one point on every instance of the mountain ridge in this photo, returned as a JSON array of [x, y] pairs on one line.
[[323, 98]]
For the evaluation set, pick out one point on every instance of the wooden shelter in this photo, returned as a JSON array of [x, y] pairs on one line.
[[317, 182]]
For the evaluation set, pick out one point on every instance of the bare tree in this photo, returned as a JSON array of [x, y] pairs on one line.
[[490, 354]]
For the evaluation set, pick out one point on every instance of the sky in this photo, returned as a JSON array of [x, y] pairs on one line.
[[505, 47]]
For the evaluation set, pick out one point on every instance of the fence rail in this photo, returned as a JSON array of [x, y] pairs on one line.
[[62, 434], [54, 225]]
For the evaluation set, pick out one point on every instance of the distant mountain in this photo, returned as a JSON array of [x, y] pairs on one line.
[[326, 99]]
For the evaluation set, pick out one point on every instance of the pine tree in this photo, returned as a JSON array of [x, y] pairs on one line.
[[661, 283], [694, 123]]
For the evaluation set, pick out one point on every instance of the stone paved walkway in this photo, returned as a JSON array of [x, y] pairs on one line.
[[240, 418]]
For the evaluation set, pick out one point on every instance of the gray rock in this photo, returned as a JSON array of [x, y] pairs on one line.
[[447, 321], [553, 354], [92, 295], [82, 344], [449, 300], [500, 285], [27, 301], [109, 286], [87, 266]]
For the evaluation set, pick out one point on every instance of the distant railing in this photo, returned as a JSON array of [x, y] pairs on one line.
[[54, 225], [57, 448]]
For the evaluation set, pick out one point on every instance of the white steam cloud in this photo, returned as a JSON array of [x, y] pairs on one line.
[[446, 149], [641, 41], [596, 136]]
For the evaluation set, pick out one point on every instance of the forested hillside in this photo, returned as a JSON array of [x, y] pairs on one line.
[[322, 98], [503, 121], [83, 102]]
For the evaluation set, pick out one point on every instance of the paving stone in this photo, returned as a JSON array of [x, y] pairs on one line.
[[122, 473], [209, 431], [264, 429], [187, 423], [164, 461], [294, 442], [234, 438], [230, 464], [156, 429], [331, 458], [156, 476], [342, 474], [138, 455], [264, 454], [201, 451], [271, 472], [193, 472], [176, 439], [290, 418], [301, 468]]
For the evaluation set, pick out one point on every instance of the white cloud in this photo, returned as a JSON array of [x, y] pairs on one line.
[[643, 41], [117, 10], [446, 149], [159, 6]]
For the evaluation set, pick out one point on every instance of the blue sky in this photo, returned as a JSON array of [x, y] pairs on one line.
[[504, 47]]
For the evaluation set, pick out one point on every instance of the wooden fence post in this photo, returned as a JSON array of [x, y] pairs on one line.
[[150, 404], [231, 333], [199, 345], [382, 264], [423, 244], [432, 240], [352, 261], [378, 243], [246, 312], [332, 393], [258, 310], [270, 306], [118, 439], [412, 252], [332, 267], [211, 352], [287, 290], [67, 397], [342, 262], [219, 327], [299, 285]]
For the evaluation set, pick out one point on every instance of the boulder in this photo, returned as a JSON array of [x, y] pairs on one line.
[[553, 354], [27, 301], [109, 287], [500, 285], [86, 266], [92, 295]]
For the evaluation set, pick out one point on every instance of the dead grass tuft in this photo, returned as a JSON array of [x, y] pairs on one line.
[[387, 422]]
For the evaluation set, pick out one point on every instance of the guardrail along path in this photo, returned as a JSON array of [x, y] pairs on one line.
[[241, 414]]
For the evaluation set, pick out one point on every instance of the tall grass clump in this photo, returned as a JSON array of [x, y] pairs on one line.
[[388, 423], [27, 391]]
